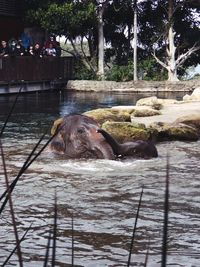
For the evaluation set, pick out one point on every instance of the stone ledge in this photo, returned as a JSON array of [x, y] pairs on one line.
[[139, 86]]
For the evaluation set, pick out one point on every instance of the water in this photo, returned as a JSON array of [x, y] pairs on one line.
[[102, 195]]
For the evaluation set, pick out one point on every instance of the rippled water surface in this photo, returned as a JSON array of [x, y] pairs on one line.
[[102, 195]]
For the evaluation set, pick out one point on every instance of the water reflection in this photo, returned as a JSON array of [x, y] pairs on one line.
[[103, 195], [65, 102]]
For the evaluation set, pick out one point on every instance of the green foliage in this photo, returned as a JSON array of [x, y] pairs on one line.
[[78, 20], [154, 26], [120, 73], [118, 23], [70, 18], [149, 69], [82, 73]]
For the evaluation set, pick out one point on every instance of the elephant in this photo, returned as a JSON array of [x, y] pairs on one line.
[[79, 136], [76, 137], [137, 149]]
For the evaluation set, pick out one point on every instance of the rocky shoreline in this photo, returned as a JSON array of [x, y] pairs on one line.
[[153, 118]]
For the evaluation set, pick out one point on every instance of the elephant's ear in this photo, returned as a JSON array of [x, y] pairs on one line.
[[56, 125]]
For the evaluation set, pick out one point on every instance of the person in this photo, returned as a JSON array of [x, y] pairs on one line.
[[25, 40], [58, 49], [19, 49], [50, 51], [12, 46], [37, 50], [4, 50], [51, 40]]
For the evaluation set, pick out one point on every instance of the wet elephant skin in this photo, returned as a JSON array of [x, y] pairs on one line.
[[137, 149], [77, 137]]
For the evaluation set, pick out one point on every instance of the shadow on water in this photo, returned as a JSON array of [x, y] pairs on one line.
[[103, 195]]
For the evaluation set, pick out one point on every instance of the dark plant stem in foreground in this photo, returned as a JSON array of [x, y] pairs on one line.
[[19, 253], [54, 231], [47, 250], [24, 167], [134, 229], [166, 212], [10, 112], [72, 239], [147, 254], [13, 251], [27, 163]]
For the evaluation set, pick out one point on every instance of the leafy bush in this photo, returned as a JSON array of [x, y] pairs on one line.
[[149, 69], [82, 73], [120, 73]]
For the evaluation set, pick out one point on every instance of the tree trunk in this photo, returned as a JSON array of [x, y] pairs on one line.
[[173, 63], [101, 43], [135, 78], [172, 68]]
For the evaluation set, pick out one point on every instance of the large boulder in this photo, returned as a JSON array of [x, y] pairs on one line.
[[195, 96], [192, 120], [126, 131], [143, 111], [106, 114], [127, 109], [175, 131], [154, 102], [137, 111]]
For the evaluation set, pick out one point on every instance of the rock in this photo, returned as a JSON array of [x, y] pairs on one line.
[[154, 102], [171, 112], [186, 97], [178, 121], [195, 96], [137, 111], [127, 109], [138, 125], [144, 112], [106, 114], [178, 131], [126, 131], [149, 101], [192, 120]]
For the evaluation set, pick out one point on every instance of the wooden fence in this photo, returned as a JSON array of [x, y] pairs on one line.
[[14, 69]]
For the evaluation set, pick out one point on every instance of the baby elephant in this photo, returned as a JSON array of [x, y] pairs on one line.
[[138, 149]]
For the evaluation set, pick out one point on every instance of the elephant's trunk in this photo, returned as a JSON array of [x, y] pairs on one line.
[[104, 151], [111, 141]]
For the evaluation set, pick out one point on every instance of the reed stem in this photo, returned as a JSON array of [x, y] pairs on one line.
[[134, 229]]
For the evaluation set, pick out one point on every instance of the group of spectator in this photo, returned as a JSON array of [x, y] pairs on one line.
[[22, 47]]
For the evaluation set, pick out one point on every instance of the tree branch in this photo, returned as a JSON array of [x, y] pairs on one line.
[[68, 51], [82, 48], [168, 53], [182, 58], [75, 49], [159, 61], [85, 58]]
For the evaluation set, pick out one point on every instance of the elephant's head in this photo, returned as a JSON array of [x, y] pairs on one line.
[[77, 137]]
